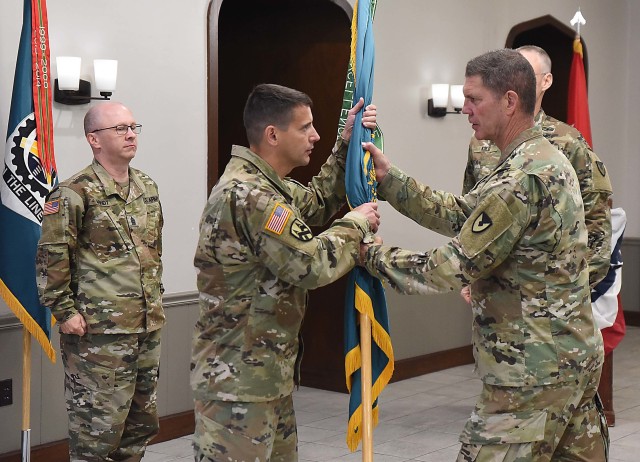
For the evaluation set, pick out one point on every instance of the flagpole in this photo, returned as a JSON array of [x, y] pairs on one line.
[[26, 395], [367, 415]]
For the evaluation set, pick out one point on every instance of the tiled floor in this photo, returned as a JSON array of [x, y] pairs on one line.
[[420, 418]]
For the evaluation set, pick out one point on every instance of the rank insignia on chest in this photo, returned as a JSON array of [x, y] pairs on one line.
[[278, 219], [300, 230], [482, 223], [51, 207]]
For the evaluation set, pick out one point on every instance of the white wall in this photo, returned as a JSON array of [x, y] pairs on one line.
[[161, 48], [161, 52]]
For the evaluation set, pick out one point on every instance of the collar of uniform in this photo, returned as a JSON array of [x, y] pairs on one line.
[[523, 137], [109, 184], [266, 169], [540, 117]]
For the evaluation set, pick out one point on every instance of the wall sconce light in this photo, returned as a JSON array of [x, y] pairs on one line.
[[71, 89], [439, 101]]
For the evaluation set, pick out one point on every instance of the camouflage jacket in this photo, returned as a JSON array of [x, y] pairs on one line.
[[256, 259], [521, 244], [99, 253], [595, 184]]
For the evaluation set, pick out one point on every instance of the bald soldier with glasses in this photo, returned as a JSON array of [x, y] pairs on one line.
[[99, 271]]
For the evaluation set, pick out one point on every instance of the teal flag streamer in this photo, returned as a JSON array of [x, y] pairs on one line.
[[365, 293], [27, 177]]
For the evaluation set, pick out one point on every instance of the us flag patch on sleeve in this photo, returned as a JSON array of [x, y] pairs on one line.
[[51, 207], [278, 219]]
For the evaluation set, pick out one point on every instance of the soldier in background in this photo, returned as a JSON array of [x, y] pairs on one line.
[[256, 258], [99, 271], [521, 243]]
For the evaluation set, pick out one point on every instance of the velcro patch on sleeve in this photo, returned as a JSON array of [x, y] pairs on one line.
[[601, 181], [488, 222], [278, 219], [51, 207], [300, 230]]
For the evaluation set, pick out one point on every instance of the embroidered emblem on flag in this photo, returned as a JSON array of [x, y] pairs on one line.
[[51, 207], [278, 219]]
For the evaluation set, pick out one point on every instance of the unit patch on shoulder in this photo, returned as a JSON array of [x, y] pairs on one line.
[[482, 223], [278, 219], [300, 230], [51, 207], [601, 168]]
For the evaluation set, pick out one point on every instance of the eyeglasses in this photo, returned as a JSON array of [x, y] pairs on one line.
[[123, 129]]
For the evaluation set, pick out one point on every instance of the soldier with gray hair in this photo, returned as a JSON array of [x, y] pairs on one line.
[[99, 271], [595, 184], [256, 259], [520, 241]]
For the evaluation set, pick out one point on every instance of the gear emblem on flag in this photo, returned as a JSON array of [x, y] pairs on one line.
[[25, 184]]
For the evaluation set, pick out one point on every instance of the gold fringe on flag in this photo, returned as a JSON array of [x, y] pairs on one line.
[[25, 318]]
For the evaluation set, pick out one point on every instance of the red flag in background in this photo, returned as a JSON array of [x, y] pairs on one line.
[[578, 110], [578, 116]]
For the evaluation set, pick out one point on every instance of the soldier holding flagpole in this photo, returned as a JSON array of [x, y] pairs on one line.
[[256, 259]]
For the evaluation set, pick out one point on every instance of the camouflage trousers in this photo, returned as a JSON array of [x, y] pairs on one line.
[[546, 423], [110, 387], [245, 432]]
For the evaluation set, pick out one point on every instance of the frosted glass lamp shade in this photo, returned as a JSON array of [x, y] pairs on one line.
[[440, 94], [457, 97], [68, 70], [105, 72]]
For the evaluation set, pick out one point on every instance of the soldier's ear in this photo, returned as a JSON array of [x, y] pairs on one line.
[[547, 81], [511, 101], [271, 135], [93, 140]]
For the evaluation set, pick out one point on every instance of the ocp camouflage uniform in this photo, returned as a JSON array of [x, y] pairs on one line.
[[595, 184], [521, 244], [99, 255], [256, 259]]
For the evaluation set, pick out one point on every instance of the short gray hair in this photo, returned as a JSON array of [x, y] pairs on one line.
[[506, 70]]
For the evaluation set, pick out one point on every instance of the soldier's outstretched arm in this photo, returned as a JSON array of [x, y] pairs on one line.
[[484, 242], [439, 211], [294, 254]]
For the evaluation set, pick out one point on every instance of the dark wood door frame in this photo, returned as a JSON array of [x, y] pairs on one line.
[[213, 90]]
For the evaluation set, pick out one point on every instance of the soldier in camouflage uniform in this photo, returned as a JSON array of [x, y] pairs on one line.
[[99, 271], [256, 259], [521, 243], [595, 184]]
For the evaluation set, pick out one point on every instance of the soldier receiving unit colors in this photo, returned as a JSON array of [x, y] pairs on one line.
[[256, 259]]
